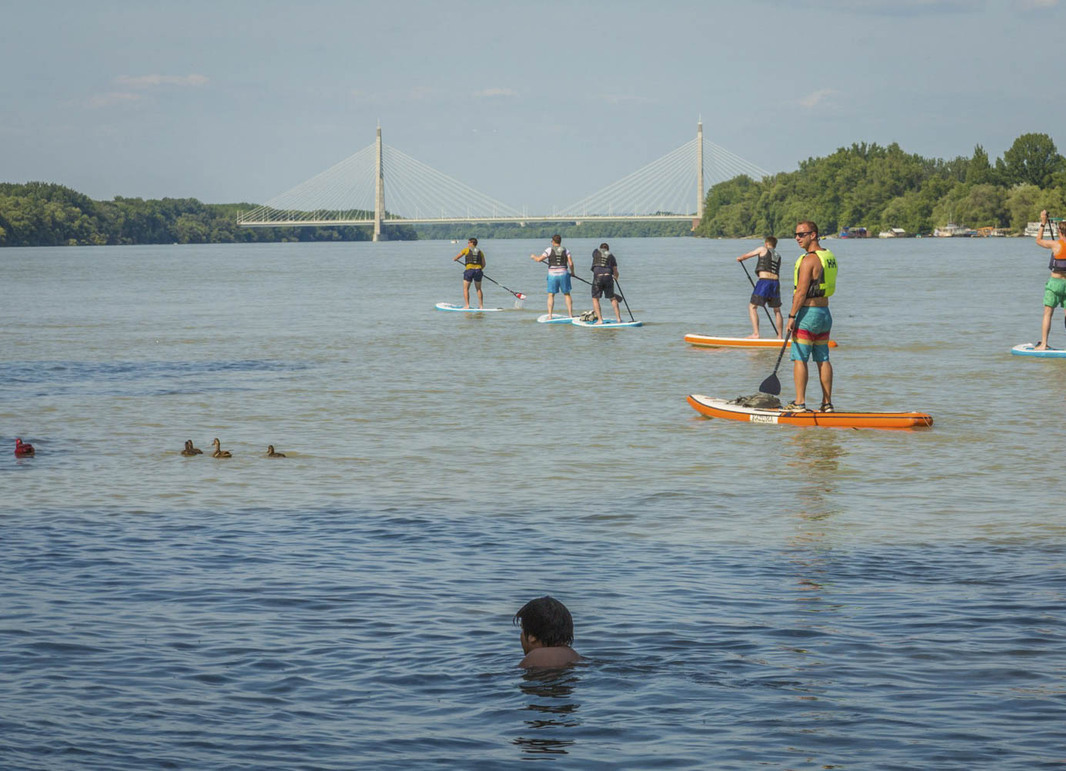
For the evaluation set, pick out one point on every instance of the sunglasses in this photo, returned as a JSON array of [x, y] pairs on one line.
[[802, 233]]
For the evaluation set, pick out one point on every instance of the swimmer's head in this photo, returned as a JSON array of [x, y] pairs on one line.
[[546, 621]]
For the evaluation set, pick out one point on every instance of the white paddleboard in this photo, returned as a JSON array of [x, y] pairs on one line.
[[1026, 349], [607, 324], [454, 307], [554, 318]]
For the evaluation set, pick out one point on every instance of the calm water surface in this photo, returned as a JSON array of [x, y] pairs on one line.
[[747, 596]]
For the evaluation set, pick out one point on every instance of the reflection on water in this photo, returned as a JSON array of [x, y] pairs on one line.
[[816, 455], [550, 693]]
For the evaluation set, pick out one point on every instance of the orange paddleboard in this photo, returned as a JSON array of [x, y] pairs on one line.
[[720, 408], [708, 341]]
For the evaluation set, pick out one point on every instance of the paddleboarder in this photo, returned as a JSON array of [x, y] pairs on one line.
[[815, 278], [474, 271], [560, 268], [767, 291], [1055, 288], [604, 273], [547, 632]]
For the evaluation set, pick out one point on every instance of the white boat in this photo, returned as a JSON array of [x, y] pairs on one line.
[[894, 233], [951, 230], [1032, 230]]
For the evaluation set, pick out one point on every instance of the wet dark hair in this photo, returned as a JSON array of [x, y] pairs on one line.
[[472, 241], [557, 239], [772, 240], [605, 247], [548, 620]]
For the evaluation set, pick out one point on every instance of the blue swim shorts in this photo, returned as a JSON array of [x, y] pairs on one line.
[[812, 334], [473, 274], [559, 284], [767, 292]]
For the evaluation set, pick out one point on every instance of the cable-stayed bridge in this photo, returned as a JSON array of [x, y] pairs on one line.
[[352, 192]]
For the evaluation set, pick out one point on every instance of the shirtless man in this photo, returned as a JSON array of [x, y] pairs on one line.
[[547, 631], [1055, 288], [767, 291]]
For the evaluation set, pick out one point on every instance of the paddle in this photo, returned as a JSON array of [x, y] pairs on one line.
[[624, 300], [519, 295], [768, 316], [772, 385]]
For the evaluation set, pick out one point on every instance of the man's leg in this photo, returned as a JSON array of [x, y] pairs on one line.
[[1045, 328], [551, 303], [617, 311], [799, 377], [596, 309], [569, 304], [825, 375], [753, 312], [480, 298], [466, 294]]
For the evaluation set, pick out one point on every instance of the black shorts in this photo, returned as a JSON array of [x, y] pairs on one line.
[[603, 286]]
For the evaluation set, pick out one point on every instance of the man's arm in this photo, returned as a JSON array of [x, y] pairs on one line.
[[753, 253]]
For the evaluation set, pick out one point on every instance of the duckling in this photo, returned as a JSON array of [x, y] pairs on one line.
[[272, 454], [219, 452], [23, 450], [190, 450]]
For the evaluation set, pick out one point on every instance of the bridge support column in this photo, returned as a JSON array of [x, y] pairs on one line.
[[700, 198], [379, 197]]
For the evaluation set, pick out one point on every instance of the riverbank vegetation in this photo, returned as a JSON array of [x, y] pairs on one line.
[[883, 187], [859, 186]]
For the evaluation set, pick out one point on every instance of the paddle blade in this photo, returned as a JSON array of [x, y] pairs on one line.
[[519, 295], [771, 385]]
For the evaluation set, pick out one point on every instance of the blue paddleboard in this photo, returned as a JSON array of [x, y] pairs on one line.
[[454, 307], [1026, 349], [554, 318], [607, 324]]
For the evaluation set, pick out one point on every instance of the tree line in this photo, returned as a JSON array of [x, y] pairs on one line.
[[47, 214], [863, 185], [883, 187]]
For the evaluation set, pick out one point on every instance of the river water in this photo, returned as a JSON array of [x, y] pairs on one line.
[[746, 595]]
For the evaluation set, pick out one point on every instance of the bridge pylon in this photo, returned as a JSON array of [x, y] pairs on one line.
[[379, 195]]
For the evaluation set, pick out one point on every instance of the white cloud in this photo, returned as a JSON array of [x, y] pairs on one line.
[[490, 93], [816, 99], [151, 81]]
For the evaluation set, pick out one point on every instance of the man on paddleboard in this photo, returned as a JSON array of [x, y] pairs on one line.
[[1055, 288], [815, 278], [604, 272], [474, 272], [768, 289], [560, 268]]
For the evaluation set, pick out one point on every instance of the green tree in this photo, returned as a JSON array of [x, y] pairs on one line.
[[1031, 160]]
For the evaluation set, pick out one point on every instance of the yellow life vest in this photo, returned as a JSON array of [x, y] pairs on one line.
[[828, 284]]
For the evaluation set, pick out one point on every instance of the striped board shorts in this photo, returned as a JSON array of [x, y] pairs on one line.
[[812, 334]]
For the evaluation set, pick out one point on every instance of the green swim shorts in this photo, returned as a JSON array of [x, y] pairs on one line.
[[1055, 292]]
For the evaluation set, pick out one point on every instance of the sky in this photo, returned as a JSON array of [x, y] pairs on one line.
[[532, 102]]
